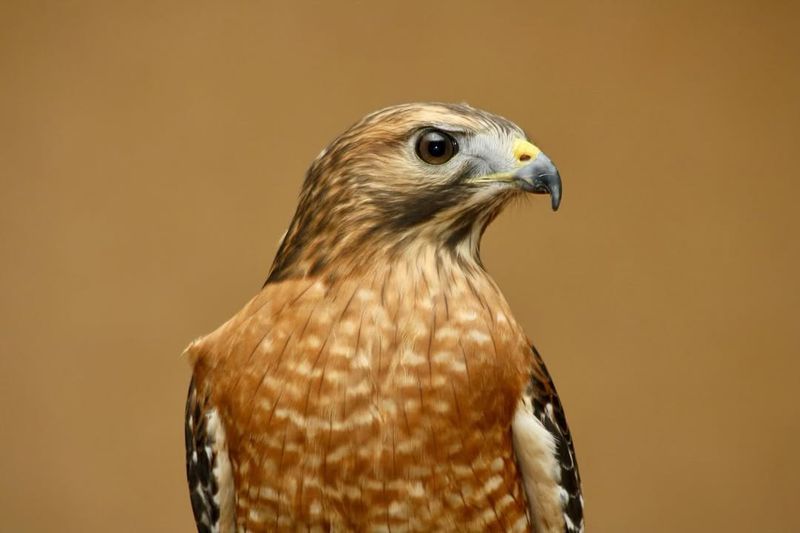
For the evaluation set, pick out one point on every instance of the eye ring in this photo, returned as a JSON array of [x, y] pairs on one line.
[[436, 147]]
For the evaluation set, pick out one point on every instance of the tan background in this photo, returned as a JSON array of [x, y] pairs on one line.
[[150, 155]]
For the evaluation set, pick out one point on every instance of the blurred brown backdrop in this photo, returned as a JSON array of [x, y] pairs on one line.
[[150, 155]]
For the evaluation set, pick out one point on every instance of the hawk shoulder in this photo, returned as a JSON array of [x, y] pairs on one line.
[[546, 456], [208, 467]]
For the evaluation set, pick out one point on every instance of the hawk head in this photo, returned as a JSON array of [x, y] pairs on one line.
[[431, 175]]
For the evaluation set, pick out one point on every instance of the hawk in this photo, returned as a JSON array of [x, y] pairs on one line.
[[379, 381]]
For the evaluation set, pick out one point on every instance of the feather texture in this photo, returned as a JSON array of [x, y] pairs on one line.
[[379, 380]]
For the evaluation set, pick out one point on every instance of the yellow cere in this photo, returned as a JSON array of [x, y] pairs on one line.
[[523, 148]]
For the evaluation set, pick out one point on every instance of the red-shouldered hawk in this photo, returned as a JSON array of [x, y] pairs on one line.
[[379, 381]]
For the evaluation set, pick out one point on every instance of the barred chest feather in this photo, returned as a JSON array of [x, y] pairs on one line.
[[380, 402]]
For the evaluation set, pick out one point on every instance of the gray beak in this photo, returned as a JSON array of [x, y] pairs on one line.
[[540, 176]]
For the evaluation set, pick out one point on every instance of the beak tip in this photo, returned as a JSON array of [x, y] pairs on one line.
[[555, 198], [541, 177]]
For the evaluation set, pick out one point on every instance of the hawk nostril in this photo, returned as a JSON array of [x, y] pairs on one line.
[[524, 157]]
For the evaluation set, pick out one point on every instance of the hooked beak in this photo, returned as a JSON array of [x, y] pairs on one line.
[[540, 176], [532, 172]]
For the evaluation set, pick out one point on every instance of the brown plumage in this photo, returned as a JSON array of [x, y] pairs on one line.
[[378, 381]]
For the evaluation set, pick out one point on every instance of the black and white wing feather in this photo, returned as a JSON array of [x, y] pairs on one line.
[[208, 467], [544, 450]]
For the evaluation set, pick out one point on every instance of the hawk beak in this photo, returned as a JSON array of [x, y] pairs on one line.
[[540, 177]]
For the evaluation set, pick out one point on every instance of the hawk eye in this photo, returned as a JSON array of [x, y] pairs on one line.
[[436, 147]]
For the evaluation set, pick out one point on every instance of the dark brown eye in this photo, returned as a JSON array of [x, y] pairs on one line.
[[436, 147]]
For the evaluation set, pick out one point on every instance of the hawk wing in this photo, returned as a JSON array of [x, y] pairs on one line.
[[544, 450], [208, 467]]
